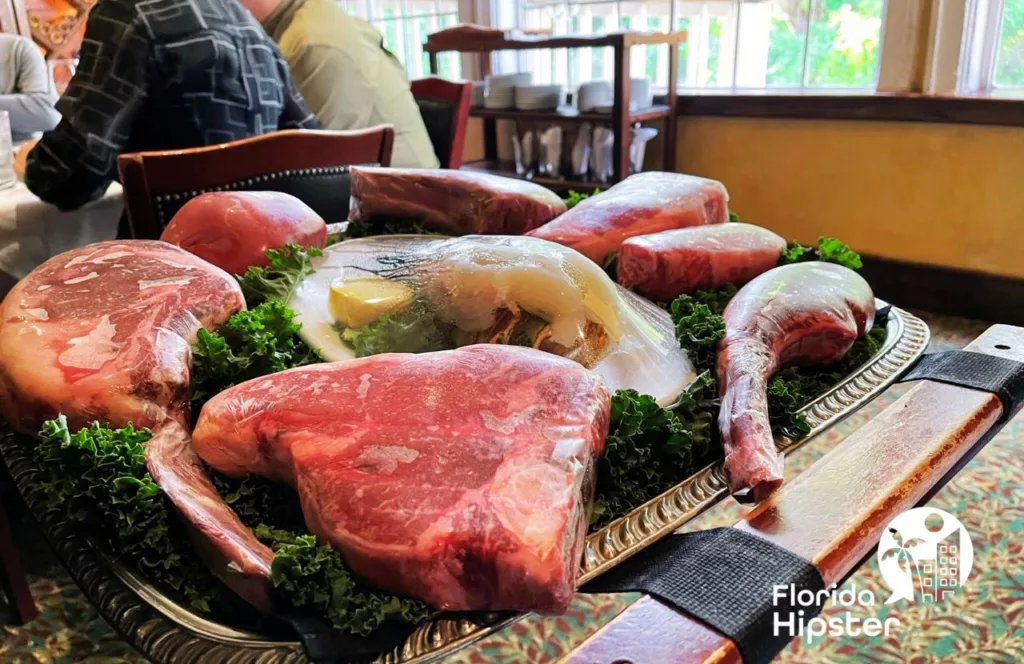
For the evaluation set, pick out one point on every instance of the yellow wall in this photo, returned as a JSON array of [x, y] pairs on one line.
[[943, 194]]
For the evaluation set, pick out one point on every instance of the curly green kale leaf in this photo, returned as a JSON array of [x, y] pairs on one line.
[[277, 281], [253, 343]]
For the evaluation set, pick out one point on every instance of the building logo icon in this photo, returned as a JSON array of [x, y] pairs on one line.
[[925, 555]]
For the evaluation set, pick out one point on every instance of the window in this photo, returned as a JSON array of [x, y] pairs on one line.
[[732, 44], [1009, 59], [405, 25], [992, 53]]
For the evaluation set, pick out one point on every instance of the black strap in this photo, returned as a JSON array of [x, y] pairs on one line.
[[727, 579], [326, 645], [989, 373]]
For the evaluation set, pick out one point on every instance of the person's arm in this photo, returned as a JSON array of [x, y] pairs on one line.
[[334, 87], [76, 162], [296, 113], [31, 107]]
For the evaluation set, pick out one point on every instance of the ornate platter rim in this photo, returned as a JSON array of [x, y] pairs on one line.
[[165, 631]]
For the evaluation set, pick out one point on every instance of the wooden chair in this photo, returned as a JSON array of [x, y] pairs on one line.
[[311, 165], [444, 106]]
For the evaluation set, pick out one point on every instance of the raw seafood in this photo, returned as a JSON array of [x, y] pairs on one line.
[[456, 202], [639, 205], [475, 289], [234, 229], [807, 313], [460, 477], [665, 265], [103, 333]]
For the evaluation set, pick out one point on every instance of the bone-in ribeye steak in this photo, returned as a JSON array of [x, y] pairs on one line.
[[460, 477], [802, 314], [103, 333]]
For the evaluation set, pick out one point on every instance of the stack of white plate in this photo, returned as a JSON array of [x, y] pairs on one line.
[[593, 95], [538, 97], [501, 90], [476, 99], [640, 94]]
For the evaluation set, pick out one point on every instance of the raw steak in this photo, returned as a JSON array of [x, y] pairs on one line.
[[459, 477], [103, 333], [639, 205], [233, 229], [663, 266], [807, 313], [456, 202]]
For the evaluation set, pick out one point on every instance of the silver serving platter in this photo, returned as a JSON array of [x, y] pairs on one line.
[[167, 632]]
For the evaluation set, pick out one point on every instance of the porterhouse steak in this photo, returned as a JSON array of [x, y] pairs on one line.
[[459, 477], [103, 333], [802, 314]]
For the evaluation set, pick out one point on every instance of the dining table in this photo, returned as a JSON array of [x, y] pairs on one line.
[[32, 231]]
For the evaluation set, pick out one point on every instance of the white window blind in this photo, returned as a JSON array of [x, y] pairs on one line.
[[732, 44], [405, 24]]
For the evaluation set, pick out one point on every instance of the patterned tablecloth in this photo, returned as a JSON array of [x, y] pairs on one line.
[[32, 231], [984, 622]]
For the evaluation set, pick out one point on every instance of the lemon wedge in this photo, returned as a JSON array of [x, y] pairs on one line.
[[358, 302]]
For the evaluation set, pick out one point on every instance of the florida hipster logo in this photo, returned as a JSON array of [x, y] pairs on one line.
[[925, 555]]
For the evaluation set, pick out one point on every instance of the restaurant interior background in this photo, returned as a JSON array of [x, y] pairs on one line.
[[895, 125]]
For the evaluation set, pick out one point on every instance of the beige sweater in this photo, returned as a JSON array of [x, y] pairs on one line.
[[347, 77]]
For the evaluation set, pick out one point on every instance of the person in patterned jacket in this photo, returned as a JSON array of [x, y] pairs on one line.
[[160, 75]]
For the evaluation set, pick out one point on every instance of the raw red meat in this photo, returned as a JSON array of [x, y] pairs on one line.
[[663, 266], [807, 313], [457, 202], [459, 477], [103, 333], [233, 229], [639, 205]]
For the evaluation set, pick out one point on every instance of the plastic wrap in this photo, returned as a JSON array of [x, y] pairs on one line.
[[233, 230], [666, 265], [102, 333], [807, 313], [639, 205], [456, 202], [513, 290], [461, 478]]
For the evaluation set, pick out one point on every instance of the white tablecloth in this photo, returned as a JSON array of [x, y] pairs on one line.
[[32, 231]]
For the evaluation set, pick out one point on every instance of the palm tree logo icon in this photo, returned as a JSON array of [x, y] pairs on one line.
[[925, 554]]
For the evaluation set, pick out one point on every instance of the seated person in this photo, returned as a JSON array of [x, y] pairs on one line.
[[345, 74], [161, 75], [26, 88]]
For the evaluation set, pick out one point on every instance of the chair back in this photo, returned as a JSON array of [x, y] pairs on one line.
[[310, 165], [444, 106]]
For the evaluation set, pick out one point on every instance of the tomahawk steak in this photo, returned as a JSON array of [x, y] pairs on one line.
[[459, 477], [456, 202], [663, 266], [639, 205], [234, 229], [807, 313], [103, 333]]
